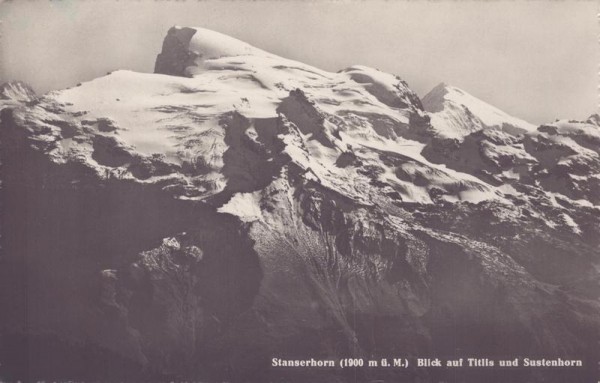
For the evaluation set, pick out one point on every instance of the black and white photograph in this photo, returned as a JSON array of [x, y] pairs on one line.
[[299, 191]]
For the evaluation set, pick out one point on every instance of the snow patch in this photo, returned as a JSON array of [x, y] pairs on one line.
[[246, 206], [570, 223]]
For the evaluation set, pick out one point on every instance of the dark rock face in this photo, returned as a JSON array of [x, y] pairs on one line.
[[433, 101], [120, 265], [83, 229], [175, 56]]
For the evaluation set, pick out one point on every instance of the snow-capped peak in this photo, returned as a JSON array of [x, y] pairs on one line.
[[207, 81], [455, 113], [219, 109], [185, 48]]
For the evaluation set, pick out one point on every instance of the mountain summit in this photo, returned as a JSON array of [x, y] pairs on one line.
[[455, 113], [185, 48], [236, 206]]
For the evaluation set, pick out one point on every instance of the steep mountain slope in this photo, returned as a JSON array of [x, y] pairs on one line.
[[236, 206]]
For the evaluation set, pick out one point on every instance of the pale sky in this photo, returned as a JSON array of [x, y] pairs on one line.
[[537, 60]]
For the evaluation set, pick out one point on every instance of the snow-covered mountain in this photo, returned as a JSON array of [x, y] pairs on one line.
[[237, 206], [455, 113]]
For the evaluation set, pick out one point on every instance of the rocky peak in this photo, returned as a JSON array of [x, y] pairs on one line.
[[16, 91], [594, 119], [434, 100], [175, 56]]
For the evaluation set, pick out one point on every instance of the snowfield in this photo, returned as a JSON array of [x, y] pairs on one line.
[[179, 119]]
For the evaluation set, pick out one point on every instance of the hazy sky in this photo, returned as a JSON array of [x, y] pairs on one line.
[[537, 60]]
